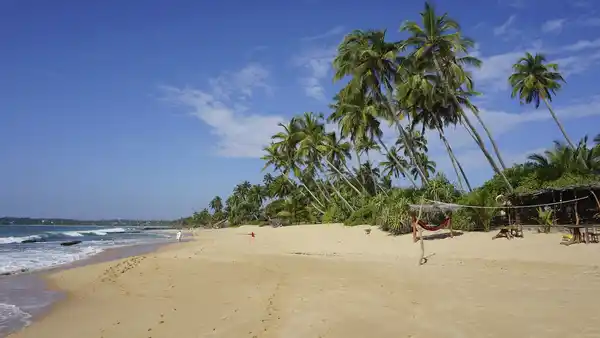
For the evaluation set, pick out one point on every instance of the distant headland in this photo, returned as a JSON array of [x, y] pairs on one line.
[[69, 221]]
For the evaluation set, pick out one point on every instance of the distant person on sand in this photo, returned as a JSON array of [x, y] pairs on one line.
[[179, 234]]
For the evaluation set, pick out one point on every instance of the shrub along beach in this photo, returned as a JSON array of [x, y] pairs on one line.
[[333, 280]]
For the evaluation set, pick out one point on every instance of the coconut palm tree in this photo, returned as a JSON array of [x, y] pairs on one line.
[[311, 134], [369, 60], [418, 93], [216, 204], [534, 80], [369, 176], [563, 159], [424, 162], [357, 119], [283, 153], [440, 43]]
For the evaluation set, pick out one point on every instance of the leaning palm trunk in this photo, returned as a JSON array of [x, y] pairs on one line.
[[375, 183], [343, 176], [313, 204], [487, 155], [489, 135], [307, 189], [357, 180], [341, 197], [408, 141], [560, 126], [396, 161], [453, 159], [311, 193], [322, 192], [475, 134], [319, 210]]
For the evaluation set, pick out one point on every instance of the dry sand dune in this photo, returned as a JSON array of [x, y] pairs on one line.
[[334, 281]]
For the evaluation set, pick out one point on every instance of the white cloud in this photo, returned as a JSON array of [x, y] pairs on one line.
[[507, 29], [316, 61], [495, 69], [592, 22], [572, 58], [553, 26], [580, 3], [513, 3], [242, 82], [581, 45], [335, 31], [223, 108]]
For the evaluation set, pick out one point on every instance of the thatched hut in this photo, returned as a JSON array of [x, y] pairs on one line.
[[585, 210]]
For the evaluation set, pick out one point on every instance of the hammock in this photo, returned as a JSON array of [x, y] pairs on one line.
[[433, 227]]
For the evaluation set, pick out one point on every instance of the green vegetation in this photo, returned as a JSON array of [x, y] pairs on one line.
[[420, 86]]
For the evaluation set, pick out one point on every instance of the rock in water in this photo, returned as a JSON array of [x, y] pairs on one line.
[[70, 243]]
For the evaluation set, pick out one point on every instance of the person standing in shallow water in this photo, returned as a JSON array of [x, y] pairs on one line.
[[179, 235]]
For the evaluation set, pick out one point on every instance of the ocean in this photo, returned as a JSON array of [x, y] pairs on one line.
[[25, 248]]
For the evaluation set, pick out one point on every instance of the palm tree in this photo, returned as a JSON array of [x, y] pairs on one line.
[[283, 155], [396, 166], [216, 204], [358, 120], [563, 159], [533, 80], [311, 134], [369, 176], [440, 43], [419, 94], [370, 61], [281, 187], [425, 162]]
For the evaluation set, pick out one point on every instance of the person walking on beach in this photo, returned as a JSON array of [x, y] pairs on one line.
[[179, 234]]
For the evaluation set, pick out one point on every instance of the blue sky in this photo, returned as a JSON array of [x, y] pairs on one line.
[[147, 109]]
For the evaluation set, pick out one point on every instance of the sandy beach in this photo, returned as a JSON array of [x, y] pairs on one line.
[[333, 281]]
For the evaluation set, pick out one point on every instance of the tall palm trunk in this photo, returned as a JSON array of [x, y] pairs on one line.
[[313, 204], [455, 162], [396, 161], [340, 196], [322, 192], [407, 141], [489, 135], [453, 159], [487, 155], [560, 126], [343, 176], [485, 128], [357, 155], [475, 134], [307, 189], [357, 180]]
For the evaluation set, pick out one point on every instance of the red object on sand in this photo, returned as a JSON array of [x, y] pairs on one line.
[[252, 234]]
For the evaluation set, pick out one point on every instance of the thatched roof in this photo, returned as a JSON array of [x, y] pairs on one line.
[[434, 207]]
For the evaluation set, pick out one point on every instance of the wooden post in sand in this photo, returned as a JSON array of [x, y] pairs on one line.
[[422, 260]]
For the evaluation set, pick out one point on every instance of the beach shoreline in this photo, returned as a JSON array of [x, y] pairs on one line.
[[37, 284], [290, 282]]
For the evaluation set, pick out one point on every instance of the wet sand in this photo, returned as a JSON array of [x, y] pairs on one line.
[[333, 281], [30, 292]]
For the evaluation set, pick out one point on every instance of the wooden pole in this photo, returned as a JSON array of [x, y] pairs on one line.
[[422, 259]]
